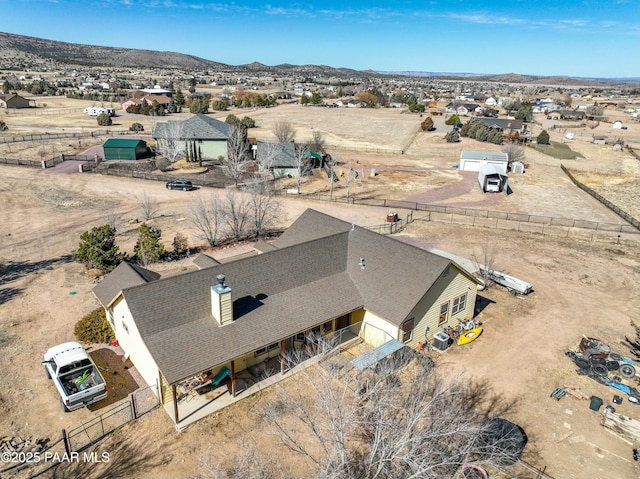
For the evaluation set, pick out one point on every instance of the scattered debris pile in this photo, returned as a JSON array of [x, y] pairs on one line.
[[9, 445], [595, 359]]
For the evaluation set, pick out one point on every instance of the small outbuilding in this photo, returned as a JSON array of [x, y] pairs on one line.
[[124, 149], [11, 100], [474, 160], [492, 179]]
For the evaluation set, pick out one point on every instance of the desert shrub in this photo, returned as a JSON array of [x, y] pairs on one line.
[[94, 328], [136, 127], [416, 108], [427, 124], [452, 137], [453, 120], [248, 122], [180, 244], [163, 163], [104, 119], [3, 126]]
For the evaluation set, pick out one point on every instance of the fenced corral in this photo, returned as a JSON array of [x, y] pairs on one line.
[[623, 214]]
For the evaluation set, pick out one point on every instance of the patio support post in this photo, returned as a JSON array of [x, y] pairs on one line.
[[282, 356], [175, 403], [233, 378]]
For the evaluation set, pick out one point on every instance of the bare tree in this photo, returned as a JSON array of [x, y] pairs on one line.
[[111, 218], [514, 151], [283, 131], [236, 212], [267, 153], [238, 153], [349, 180], [398, 419], [317, 143], [302, 163], [206, 217], [484, 262], [171, 139], [265, 209], [330, 167], [148, 204]]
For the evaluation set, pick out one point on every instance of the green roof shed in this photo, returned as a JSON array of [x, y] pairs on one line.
[[124, 149]]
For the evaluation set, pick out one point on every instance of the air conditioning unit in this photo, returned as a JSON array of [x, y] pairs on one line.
[[441, 341]]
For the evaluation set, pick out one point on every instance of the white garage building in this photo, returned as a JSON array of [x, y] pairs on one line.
[[474, 160]]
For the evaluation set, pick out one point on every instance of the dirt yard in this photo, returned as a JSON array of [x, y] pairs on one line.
[[580, 288]]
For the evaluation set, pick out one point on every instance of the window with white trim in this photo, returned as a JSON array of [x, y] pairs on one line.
[[459, 304], [444, 313], [407, 330]]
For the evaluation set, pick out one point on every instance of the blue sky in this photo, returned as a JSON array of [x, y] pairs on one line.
[[588, 38]]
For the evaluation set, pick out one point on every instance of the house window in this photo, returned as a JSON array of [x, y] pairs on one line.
[[459, 304], [407, 330], [110, 317], [266, 349], [300, 337], [444, 313], [327, 327]]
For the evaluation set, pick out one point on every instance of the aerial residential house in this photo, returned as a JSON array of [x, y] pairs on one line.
[[462, 109], [323, 276], [207, 134], [509, 127], [572, 114], [161, 99], [12, 100], [599, 139]]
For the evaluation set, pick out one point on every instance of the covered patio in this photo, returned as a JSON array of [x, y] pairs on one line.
[[190, 404]]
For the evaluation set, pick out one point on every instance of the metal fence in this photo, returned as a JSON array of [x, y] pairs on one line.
[[88, 433]]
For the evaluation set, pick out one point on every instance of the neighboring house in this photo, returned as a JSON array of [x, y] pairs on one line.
[[124, 149], [491, 101], [209, 135], [475, 160], [508, 127], [463, 109], [11, 100], [161, 99], [572, 114], [599, 139], [320, 276], [281, 160]]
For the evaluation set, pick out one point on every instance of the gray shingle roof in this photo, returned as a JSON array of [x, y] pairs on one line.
[[124, 276], [312, 276], [198, 127], [204, 261]]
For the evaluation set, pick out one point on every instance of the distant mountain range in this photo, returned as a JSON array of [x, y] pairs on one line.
[[20, 50]]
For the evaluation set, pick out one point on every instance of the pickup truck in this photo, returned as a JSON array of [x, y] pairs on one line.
[[75, 376]]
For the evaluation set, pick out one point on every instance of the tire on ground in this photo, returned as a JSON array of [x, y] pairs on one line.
[[600, 369], [627, 370]]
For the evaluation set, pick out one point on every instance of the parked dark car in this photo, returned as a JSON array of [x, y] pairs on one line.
[[184, 185]]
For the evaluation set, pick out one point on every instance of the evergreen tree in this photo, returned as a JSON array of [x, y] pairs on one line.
[[148, 248], [98, 249], [543, 138]]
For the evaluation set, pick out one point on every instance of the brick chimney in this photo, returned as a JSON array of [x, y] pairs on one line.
[[221, 304]]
